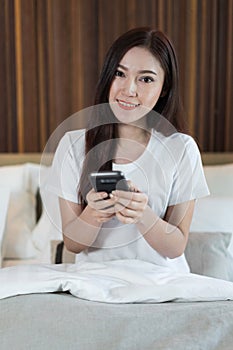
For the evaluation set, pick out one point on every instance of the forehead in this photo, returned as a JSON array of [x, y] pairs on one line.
[[139, 58]]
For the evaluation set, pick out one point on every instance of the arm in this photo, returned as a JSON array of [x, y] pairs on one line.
[[80, 228], [167, 236]]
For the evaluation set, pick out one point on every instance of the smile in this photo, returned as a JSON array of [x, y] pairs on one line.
[[127, 105]]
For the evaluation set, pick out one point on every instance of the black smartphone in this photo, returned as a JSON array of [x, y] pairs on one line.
[[108, 181]]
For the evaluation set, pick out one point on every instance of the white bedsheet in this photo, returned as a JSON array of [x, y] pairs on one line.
[[119, 281]]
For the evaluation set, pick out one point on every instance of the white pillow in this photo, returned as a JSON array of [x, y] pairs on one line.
[[48, 227], [4, 195], [207, 254], [214, 214], [220, 179], [22, 180]]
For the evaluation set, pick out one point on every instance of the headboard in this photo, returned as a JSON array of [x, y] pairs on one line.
[[20, 158], [208, 158]]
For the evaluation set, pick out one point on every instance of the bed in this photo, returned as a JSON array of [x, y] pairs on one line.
[[59, 320]]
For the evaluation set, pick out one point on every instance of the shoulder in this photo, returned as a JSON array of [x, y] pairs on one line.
[[72, 139], [74, 136], [187, 141], [188, 148], [70, 146], [176, 141], [176, 146]]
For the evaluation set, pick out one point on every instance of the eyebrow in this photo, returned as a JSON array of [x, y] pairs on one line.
[[141, 71]]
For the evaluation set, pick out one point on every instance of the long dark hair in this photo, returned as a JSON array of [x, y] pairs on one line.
[[103, 126]]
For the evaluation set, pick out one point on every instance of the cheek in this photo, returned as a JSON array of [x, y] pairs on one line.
[[153, 96], [112, 91]]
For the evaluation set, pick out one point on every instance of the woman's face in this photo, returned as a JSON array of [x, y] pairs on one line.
[[137, 85]]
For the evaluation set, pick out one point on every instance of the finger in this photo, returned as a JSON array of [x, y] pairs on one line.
[[97, 200], [96, 196], [135, 206], [128, 212], [107, 206], [108, 210], [103, 220], [123, 201], [102, 216], [99, 214], [132, 187], [133, 196], [125, 219]]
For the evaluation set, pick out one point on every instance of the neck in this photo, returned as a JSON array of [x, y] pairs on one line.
[[132, 132], [131, 144]]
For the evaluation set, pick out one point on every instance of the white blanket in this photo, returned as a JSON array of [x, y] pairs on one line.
[[119, 281]]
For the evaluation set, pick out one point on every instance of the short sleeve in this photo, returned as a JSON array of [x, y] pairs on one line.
[[64, 174], [189, 180]]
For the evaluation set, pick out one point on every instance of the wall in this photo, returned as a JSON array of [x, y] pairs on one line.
[[52, 51]]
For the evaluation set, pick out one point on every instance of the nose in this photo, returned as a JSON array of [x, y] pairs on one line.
[[130, 88]]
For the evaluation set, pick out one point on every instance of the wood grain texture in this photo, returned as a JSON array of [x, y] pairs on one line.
[[208, 158], [52, 52]]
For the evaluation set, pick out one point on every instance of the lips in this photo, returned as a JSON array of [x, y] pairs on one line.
[[127, 105]]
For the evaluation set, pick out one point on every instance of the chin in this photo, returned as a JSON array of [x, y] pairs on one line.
[[135, 116]]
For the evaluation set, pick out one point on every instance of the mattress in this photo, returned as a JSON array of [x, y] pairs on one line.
[[60, 321]]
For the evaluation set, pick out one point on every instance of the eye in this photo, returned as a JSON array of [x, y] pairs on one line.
[[146, 79], [119, 73]]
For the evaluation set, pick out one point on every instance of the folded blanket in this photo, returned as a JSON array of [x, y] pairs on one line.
[[119, 281]]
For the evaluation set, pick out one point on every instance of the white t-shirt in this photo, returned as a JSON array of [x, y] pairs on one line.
[[169, 171]]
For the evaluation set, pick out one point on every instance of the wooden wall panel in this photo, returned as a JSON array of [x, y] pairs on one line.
[[52, 51], [8, 130]]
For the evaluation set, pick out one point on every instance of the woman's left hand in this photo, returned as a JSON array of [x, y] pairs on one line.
[[129, 206]]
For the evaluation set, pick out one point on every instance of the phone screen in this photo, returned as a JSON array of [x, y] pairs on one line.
[[108, 181]]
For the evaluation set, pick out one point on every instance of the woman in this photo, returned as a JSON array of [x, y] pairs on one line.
[[136, 128]]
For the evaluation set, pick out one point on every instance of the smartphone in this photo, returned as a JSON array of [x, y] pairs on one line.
[[108, 181]]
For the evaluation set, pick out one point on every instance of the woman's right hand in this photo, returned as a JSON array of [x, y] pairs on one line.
[[103, 209]]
